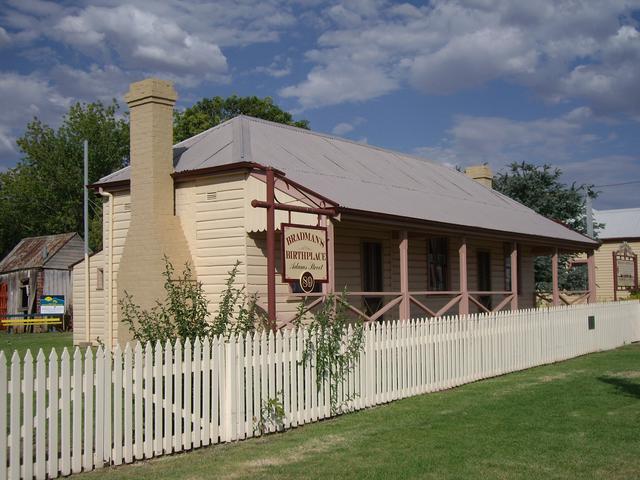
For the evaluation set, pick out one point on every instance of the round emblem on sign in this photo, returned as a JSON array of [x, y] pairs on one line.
[[307, 282]]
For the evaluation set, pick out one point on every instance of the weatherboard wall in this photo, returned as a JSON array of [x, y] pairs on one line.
[[604, 268], [121, 220], [98, 299], [221, 227], [211, 211]]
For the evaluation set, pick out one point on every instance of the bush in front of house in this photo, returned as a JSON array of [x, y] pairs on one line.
[[184, 312]]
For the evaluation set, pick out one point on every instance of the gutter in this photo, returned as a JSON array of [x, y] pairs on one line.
[[110, 270]]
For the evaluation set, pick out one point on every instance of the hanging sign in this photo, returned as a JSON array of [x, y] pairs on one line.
[[625, 269], [304, 255], [626, 274], [52, 305], [307, 282]]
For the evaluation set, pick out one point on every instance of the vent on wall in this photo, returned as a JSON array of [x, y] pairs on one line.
[[211, 196]]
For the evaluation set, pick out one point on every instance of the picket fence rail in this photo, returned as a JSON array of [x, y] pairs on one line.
[[77, 412]]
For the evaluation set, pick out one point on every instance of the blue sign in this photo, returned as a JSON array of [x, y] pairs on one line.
[[52, 305]]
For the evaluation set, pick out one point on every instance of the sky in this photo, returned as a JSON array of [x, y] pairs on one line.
[[458, 82]]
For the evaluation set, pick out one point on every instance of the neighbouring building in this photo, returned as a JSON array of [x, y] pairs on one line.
[[403, 236], [617, 258], [38, 267]]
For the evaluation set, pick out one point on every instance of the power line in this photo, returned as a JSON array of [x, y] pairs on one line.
[[617, 184]]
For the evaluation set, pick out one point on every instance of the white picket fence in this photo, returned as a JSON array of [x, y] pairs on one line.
[[73, 413]]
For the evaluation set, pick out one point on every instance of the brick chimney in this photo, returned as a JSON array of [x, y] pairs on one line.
[[481, 174], [154, 230]]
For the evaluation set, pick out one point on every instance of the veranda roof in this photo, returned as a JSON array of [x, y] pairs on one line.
[[361, 177]]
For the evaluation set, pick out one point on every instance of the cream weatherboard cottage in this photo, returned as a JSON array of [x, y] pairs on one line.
[[617, 269], [405, 236]]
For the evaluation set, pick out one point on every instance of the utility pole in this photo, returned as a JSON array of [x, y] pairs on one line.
[[589, 208], [86, 242]]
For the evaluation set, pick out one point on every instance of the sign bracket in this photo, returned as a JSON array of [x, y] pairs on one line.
[[271, 206]]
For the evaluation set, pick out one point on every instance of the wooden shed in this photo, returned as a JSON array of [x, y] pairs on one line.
[[402, 235], [37, 267]]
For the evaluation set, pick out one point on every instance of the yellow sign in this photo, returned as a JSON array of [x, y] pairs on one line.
[[304, 250]]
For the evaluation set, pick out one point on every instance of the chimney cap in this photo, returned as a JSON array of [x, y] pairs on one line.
[[151, 90], [481, 174]]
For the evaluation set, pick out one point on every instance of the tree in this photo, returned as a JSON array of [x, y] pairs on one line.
[[42, 195], [210, 112], [540, 188]]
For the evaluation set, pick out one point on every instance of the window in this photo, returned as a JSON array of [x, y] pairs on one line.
[[372, 275], [24, 294], [507, 269], [438, 264], [100, 279], [484, 277]]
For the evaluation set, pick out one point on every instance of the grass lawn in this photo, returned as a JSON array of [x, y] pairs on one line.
[[577, 419], [34, 341]]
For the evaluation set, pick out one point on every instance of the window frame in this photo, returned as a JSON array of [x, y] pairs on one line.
[[100, 278], [446, 280], [481, 253]]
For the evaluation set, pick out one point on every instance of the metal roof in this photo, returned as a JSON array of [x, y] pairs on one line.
[[34, 252], [619, 224], [362, 177]]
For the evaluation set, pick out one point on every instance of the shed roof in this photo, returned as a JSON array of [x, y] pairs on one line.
[[34, 252], [622, 223], [361, 177]]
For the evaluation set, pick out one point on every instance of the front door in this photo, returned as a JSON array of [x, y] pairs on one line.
[[484, 277], [372, 275]]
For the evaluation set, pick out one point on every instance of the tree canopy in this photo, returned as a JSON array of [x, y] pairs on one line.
[[540, 188], [210, 112], [42, 194]]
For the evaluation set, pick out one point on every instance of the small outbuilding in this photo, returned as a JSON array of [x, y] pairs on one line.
[[617, 258], [39, 267]]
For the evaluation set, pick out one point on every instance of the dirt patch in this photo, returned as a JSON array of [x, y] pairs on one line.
[[627, 374], [553, 378], [297, 454]]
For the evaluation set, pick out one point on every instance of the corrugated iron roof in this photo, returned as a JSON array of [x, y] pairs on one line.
[[362, 177], [34, 252], [619, 223]]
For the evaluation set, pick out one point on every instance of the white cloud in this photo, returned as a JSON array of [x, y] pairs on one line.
[[343, 128], [498, 140], [94, 83], [565, 141], [280, 67], [563, 50], [608, 170], [4, 37], [24, 97], [337, 83], [473, 59], [142, 40]]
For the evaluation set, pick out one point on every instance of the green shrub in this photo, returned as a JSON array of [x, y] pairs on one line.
[[330, 347], [184, 312]]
